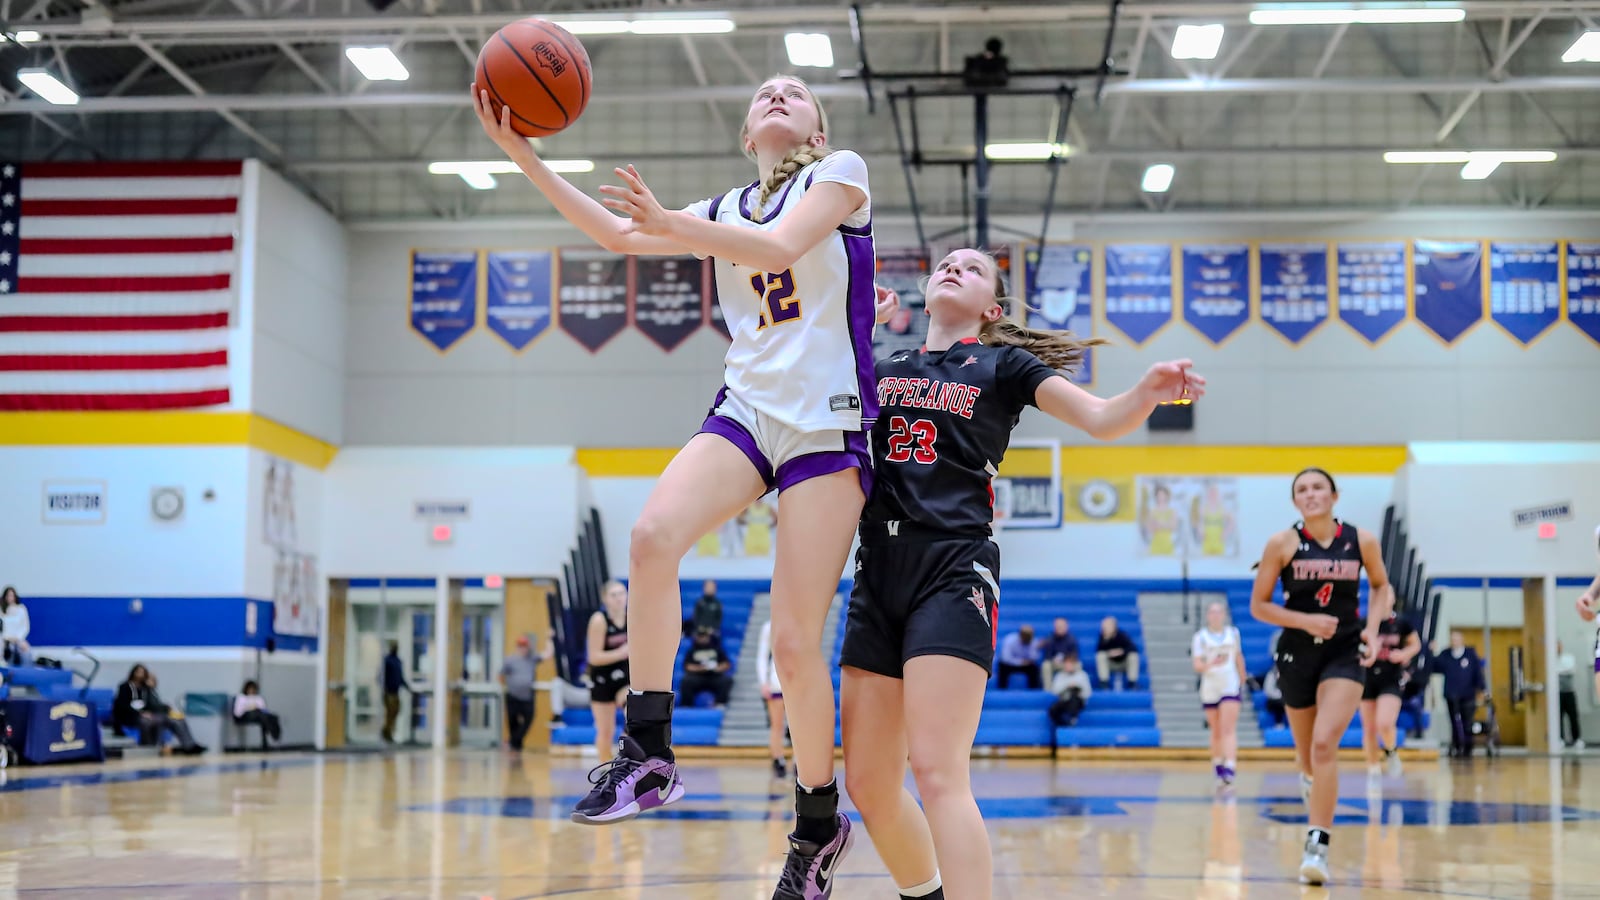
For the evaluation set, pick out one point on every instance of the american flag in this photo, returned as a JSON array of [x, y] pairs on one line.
[[116, 284]]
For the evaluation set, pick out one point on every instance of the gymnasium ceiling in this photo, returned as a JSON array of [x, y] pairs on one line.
[[1284, 118]]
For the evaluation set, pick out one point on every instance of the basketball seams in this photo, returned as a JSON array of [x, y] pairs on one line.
[[494, 95], [566, 119], [578, 55]]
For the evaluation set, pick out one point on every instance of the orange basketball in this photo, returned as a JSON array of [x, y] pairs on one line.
[[539, 70]]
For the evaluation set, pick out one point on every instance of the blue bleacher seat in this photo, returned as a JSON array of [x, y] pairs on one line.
[[35, 677], [1087, 736]]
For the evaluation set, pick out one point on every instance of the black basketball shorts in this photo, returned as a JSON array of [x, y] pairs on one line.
[[1303, 664], [606, 682], [922, 598], [1382, 679]]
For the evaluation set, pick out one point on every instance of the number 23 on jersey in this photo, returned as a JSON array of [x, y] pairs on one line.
[[912, 441], [775, 296]]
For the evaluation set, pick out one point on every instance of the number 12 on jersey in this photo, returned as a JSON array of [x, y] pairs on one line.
[[912, 441], [775, 293]]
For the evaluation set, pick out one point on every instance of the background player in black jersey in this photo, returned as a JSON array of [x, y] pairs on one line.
[[919, 634], [1398, 644], [607, 648], [1325, 649]]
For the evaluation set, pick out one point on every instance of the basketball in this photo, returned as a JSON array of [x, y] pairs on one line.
[[539, 70]]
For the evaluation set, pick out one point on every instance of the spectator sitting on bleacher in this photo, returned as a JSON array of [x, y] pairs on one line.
[[1020, 653], [1116, 652], [1072, 689], [706, 669], [139, 706], [250, 708], [707, 612], [14, 627], [1057, 647]]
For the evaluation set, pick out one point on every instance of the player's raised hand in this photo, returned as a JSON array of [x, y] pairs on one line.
[[1174, 381], [888, 303], [1586, 610], [498, 128], [634, 199]]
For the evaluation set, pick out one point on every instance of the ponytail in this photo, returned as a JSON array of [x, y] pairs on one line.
[[1060, 350]]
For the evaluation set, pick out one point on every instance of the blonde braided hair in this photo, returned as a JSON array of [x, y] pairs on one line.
[[797, 158]]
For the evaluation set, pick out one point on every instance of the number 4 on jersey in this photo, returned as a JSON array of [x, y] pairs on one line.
[[912, 441], [1324, 593]]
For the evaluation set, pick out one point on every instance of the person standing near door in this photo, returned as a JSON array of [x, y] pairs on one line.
[[1566, 671], [393, 678], [517, 676], [1463, 683]]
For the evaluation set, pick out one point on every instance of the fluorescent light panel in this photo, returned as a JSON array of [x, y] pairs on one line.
[[1469, 156], [377, 63], [1197, 42], [47, 86], [680, 25], [1025, 150], [1479, 168], [480, 173], [25, 37], [1158, 178], [1585, 49], [809, 49], [1335, 14], [594, 26]]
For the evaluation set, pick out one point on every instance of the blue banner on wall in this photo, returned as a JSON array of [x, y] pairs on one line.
[[901, 269], [1216, 289], [594, 296], [1372, 288], [1583, 288], [1138, 289], [1525, 288], [1294, 288], [1060, 294], [519, 306], [669, 298], [1448, 286], [444, 295]]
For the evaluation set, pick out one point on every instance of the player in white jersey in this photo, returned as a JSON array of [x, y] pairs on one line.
[[1219, 662], [1589, 608], [794, 267], [772, 693]]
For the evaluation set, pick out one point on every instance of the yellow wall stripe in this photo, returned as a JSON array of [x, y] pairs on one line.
[[164, 429], [1095, 461]]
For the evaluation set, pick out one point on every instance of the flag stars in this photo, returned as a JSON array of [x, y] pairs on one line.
[[9, 171], [8, 200], [5, 285], [5, 257], [8, 227]]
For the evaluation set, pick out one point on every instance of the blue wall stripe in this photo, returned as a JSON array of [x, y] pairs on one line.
[[161, 622], [409, 582]]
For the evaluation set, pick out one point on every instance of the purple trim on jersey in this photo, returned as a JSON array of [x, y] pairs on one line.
[[744, 200], [724, 427], [861, 303], [1597, 666], [1231, 698], [855, 455], [863, 231]]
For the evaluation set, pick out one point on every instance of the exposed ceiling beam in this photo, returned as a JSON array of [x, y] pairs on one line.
[[199, 93]]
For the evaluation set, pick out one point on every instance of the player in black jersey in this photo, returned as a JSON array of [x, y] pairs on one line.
[[607, 648], [1398, 644], [919, 633], [1326, 648]]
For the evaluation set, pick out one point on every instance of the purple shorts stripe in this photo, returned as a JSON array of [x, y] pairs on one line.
[[815, 465], [724, 427], [1231, 698]]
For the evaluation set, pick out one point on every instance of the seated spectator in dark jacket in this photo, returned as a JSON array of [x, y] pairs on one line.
[[706, 669], [1019, 652], [1061, 644], [1116, 652], [707, 612], [1072, 689], [250, 708], [139, 706]]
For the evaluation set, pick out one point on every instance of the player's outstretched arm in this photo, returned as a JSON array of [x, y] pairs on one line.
[[1108, 419], [1589, 601], [609, 231]]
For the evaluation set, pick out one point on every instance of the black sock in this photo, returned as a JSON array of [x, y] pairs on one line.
[[1318, 835], [816, 812], [938, 894], [649, 721]]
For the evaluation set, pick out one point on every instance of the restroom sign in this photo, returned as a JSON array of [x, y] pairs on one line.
[[74, 503], [1550, 512]]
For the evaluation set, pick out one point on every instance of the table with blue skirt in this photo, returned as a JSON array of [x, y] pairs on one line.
[[44, 732]]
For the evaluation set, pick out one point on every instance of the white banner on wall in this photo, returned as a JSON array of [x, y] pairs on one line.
[[294, 574], [79, 502]]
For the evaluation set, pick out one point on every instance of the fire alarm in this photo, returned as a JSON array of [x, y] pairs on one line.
[[441, 534]]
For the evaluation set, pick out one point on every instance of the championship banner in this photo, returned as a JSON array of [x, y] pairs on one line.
[[1583, 288], [901, 269], [1027, 492], [1216, 289], [1060, 294], [594, 296], [444, 295], [1372, 288], [1525, 288], [669, 298], [520, 305], [1448, 279], [1138, 289], [1294, 288]]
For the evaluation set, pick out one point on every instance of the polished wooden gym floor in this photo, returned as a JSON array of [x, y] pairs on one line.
[[484, 824]]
